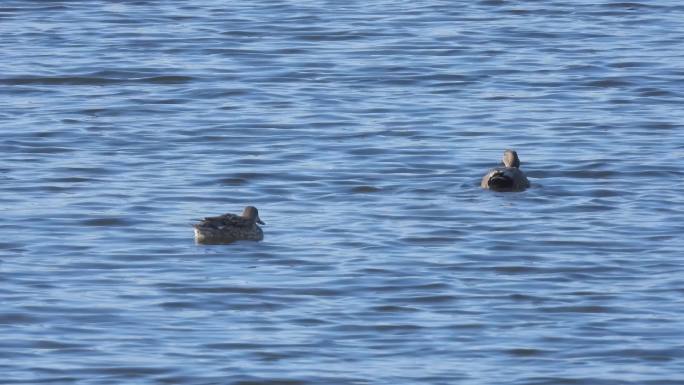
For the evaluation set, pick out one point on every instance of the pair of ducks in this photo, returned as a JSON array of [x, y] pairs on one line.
[[228, 228]]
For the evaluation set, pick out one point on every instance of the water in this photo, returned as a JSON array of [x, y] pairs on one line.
[[360, 131]]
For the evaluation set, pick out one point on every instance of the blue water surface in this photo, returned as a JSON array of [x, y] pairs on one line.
[[361, 131]]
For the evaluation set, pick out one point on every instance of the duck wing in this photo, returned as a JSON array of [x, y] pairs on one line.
[[224, 220], [498, 172]]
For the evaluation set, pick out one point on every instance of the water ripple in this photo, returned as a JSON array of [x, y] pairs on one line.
[[361, 133]]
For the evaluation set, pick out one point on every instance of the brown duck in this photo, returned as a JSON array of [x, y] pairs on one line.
[[229, 228], [506, 178]]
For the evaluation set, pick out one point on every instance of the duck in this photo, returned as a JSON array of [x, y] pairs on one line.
[[228, 228], [506, 178]]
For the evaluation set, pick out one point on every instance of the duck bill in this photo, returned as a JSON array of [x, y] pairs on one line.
[[259, 221]]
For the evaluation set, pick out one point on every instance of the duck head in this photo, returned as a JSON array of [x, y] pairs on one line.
[[510, 159], [252, 214]]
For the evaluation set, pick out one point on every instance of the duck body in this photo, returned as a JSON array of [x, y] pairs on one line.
[[228, 228], [506, 178]]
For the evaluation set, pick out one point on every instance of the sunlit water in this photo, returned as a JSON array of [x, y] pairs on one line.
[[360, 131]]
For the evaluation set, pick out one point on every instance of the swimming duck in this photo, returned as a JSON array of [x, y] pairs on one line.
[[507, 178], [228, 228]]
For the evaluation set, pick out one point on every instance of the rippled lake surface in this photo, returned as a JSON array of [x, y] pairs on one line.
[[361, 131]]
